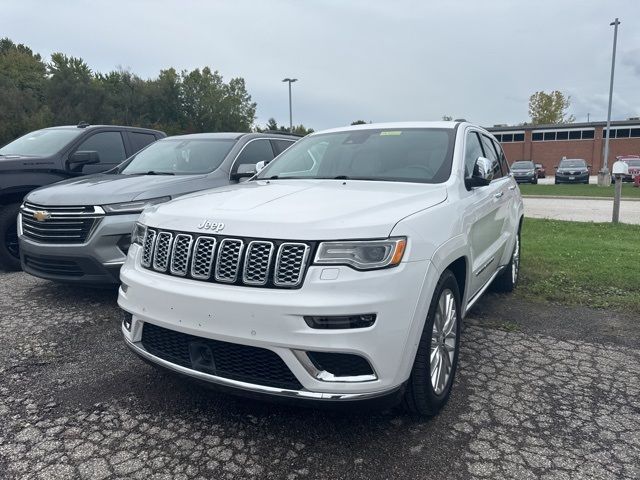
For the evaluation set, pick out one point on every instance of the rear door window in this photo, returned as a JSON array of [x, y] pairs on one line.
[[140, 140]]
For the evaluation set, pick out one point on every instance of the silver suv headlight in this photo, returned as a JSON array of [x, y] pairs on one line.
[[362, 254], [135, 206], [139, 231]]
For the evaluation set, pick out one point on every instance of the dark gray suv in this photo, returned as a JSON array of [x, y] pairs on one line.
[[79, 230]]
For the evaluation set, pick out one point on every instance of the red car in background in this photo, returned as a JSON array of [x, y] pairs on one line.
[[633, 161], [542, 173]]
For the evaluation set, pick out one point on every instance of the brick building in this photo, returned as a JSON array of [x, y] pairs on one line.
[[547, 144]]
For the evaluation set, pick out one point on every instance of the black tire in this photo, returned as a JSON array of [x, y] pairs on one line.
[[556, 182], [420, 397], [506, 282], [535, 181], [9, 250]]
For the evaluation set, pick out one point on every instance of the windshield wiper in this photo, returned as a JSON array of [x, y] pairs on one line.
[[341, 177], [153, 172]]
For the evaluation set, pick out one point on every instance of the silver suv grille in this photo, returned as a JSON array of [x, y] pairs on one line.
[[238, 261], [59, 224]]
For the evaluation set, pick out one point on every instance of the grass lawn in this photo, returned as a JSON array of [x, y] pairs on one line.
[[579, 190], [576, 263]]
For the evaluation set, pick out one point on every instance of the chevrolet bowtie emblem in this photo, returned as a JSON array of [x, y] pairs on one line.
[[41, 215]]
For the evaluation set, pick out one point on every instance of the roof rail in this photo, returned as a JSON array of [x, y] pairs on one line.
[[83, 125], [280, 132]]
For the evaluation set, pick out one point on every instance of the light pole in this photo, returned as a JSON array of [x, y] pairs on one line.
[[290, 80], [604, 177]]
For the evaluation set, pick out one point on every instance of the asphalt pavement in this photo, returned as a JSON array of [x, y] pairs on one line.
[[581, 209], [543, 391]]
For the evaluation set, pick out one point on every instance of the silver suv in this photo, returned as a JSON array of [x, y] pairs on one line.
[[79, 230]]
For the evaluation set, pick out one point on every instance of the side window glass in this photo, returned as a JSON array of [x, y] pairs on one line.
[[472, 151], [492, 155], [503, 159], [254, 152], [140, 140], [280, 146], [109, 146]]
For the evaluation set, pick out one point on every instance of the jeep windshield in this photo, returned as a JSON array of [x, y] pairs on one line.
[[41, 142], [421, 155], [178, 157], [573, 164]]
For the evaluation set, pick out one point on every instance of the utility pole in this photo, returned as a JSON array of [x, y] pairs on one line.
[[604, 177], [290, 81]]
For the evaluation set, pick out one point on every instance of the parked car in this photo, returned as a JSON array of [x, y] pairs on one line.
[[524, 171], [53, 154], [572, 170], [633, 161], [342, 271], [79, 230], [542, 172]]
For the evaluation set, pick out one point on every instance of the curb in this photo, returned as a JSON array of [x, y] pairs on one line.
[[567, 197]]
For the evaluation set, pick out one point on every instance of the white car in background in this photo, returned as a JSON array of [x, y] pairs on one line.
[[342, 271]]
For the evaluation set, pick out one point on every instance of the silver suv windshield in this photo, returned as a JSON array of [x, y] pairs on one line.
[[573, 164], [41, 142], [178, 157], [421, 155], [522, 166]]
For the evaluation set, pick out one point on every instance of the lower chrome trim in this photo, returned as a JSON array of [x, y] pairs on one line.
[[113, 264], [475, 298], [325, 376], [251, 387]]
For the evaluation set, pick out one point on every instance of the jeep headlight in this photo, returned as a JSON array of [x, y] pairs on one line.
[[135, 206], [362, 254], [139, 231]]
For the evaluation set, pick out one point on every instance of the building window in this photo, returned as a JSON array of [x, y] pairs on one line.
[[549, 136], [518, 137], [536, 136], [562, 135], [575, 135], [498, 137], [635, 133], [588, 134], [621, 133], [507, 137]]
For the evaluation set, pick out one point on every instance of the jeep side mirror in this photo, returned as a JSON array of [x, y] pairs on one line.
[[244, 170], [79, 159], [482, 174]]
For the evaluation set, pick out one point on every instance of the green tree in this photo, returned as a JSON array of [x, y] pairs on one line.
[[547, 108], [22, 91]]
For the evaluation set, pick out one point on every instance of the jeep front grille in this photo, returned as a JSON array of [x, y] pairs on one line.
[[59, 225], [238, 261]]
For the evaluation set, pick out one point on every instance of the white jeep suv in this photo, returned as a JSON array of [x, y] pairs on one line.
[[341, 271]]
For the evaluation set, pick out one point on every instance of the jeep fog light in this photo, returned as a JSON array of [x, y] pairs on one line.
[[127, 318], [341, 321]]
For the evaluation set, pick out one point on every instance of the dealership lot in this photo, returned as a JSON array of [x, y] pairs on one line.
[[550, 393]]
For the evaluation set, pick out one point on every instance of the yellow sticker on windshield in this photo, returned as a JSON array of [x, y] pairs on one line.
[[390, 132]]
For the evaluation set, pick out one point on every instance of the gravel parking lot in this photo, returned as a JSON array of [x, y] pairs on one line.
[[543, 391]]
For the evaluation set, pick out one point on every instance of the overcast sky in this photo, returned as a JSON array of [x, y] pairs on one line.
[[360, 59]]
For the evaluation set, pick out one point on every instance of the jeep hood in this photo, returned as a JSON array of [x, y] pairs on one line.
[[299, 209], [102, 189]]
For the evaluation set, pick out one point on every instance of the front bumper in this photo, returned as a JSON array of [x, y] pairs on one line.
[[529, 178], [273, 319], [573, 178], [97, 261]]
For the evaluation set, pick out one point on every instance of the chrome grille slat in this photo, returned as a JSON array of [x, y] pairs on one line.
[[257, 263], [228, 260], [148, 246], [180, 254], [161, 252], [291, 263], [71, 225], [203, 255], [239, 261]]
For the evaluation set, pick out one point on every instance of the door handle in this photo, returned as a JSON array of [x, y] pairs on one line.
[[499, 194], [512, 187]]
